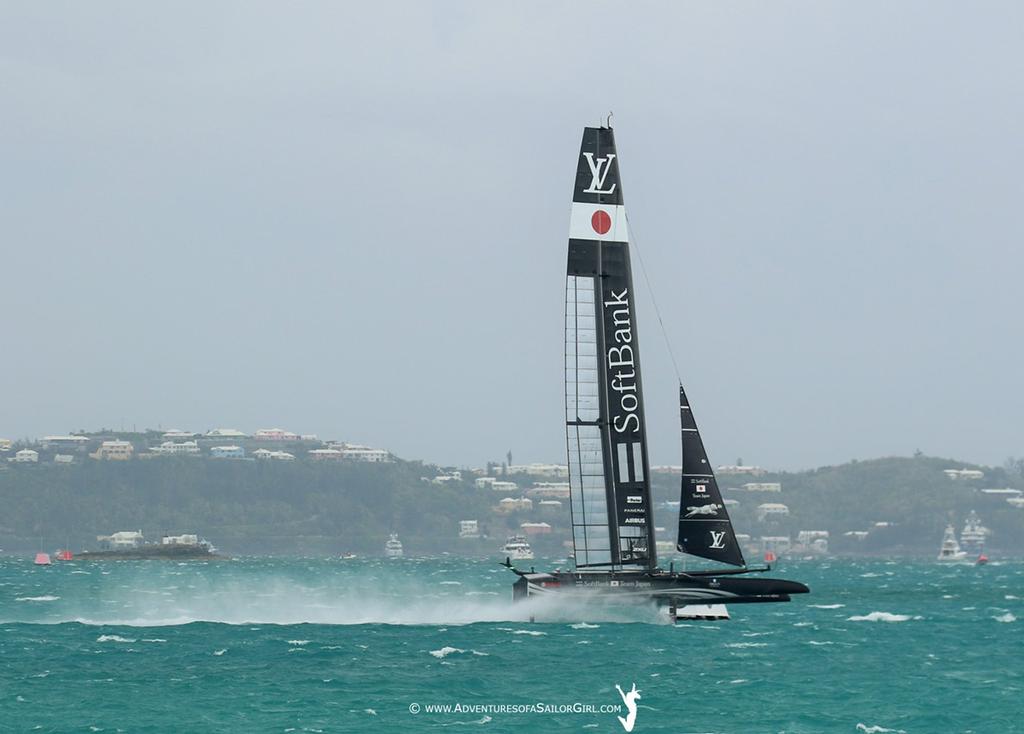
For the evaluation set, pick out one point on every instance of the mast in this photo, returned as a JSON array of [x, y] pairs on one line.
[[705, 529], [610, 495]]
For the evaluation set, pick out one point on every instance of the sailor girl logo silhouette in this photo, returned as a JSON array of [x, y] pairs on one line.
[[630, 700]]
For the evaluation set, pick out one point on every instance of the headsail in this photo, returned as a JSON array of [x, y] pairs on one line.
[[604, 412], [704, 526]]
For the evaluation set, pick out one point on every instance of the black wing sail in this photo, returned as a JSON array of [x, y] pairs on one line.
[[604, 414], [704, 526]]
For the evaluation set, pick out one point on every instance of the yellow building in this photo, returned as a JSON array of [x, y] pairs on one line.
[[114, 451]]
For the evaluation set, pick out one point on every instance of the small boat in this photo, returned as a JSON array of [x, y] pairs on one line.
[[393, 548], [43, 559], [982, 560], [64, 555], [348, 556], [950, 551], [974, 534], [517, 549]]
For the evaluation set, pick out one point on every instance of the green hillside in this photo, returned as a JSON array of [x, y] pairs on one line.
[[320, 507]]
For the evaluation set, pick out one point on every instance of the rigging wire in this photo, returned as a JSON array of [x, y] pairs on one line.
[[657, 311]]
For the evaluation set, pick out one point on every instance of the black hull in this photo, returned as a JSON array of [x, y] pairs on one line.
[[662, 587]]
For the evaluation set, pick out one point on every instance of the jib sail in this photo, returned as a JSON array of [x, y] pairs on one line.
[[704, 526]]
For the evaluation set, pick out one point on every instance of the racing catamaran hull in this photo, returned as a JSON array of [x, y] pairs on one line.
[[663, 587]]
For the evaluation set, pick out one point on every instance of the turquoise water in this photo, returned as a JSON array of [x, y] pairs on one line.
[[276, 645]]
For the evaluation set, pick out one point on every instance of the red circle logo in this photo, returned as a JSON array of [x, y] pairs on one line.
[[601, 222]]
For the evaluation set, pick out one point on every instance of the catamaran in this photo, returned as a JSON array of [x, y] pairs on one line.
[[610, 492]]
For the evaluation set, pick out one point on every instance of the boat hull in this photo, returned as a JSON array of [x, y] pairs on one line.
[[152, 553], [666, 588]]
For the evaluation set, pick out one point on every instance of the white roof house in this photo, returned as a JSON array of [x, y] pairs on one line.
[[65, 438], [66, 441], [275, 434], [763, 486], [737, 470], [174, 433], [179, 448], [358, 452], [771, 509], [187, 539], [26, 456], [226, 433], [964, 474], [277, 455], [539, 470], [324, 454], [552, 490], [121, 539], [504, 486]]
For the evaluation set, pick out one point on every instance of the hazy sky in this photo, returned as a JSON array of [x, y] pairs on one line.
[[351, 220]]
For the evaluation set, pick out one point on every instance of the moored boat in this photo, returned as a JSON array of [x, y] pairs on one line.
[[950, 551], [517, 548], [974, 534], [393, 547]]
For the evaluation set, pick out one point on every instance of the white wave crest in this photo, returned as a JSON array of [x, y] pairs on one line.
[[113, 638], [445, 652], [1008, 617], [881, 617], [37, 598]]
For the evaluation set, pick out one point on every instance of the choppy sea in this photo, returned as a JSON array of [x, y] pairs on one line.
[[322, 645]]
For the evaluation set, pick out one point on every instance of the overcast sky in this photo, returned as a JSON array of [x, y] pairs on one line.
[[351, 220]]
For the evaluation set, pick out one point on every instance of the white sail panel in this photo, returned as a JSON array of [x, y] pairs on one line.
[[588, 497]]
